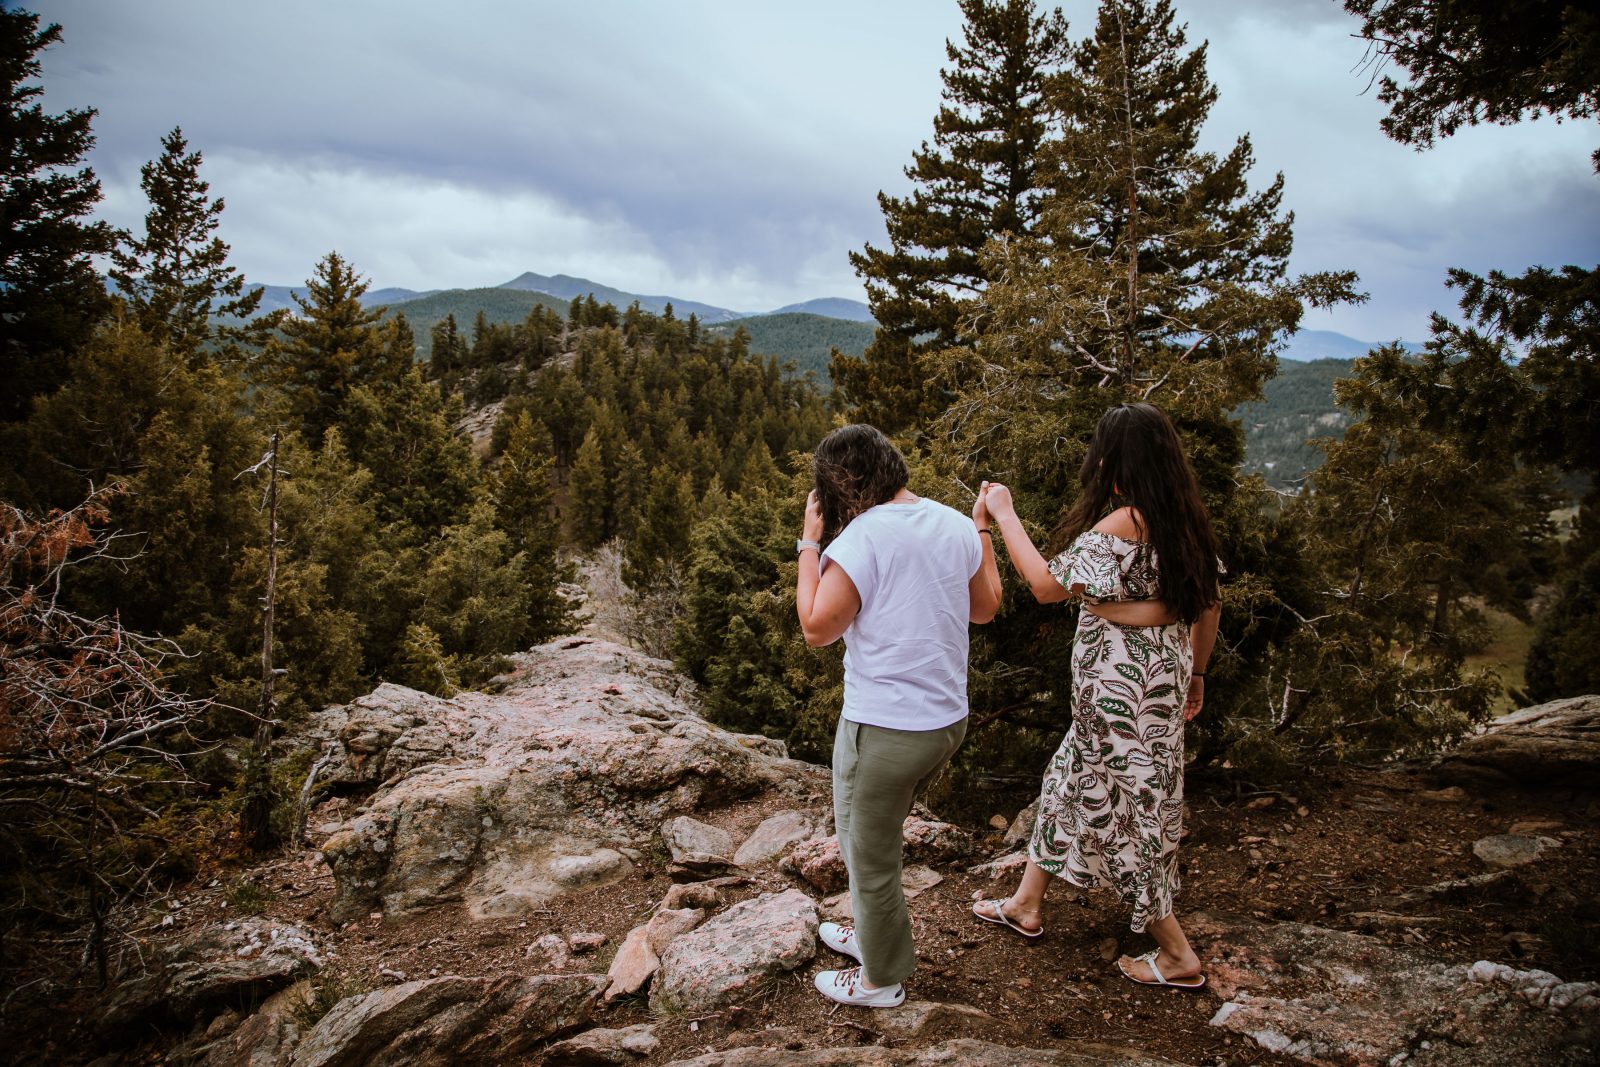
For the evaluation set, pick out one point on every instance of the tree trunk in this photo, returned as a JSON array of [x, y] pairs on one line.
[[256, 819]]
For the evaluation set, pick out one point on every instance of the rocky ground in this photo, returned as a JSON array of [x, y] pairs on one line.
[[578, 869]]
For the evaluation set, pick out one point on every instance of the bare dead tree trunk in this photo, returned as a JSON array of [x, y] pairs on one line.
[[1131, 317], [256, 820]]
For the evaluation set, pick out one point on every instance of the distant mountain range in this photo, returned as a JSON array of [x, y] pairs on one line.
[[805, 332]]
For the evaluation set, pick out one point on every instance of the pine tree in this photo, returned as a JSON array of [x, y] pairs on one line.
[[1153, 273], [176, 279], [331, 346], [51, 295], [520, 487], [660, 538], [1468, 61], [402, 430], [588, 494], [475, 595], [981, 178], [1472, 61]]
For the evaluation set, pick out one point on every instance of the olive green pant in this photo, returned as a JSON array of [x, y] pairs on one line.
[[877, 774]]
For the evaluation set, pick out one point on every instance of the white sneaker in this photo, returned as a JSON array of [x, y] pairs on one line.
[[841, 939], [845, 987]]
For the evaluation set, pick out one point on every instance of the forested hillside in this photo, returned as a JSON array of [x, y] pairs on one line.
[[803, 339], [1297, 408]]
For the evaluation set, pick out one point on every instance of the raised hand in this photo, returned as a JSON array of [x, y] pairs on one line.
[[980, 510], [997, 499], [812, 529]]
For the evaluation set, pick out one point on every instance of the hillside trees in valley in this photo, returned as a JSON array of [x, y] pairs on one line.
[[649, 418], [981, 177]]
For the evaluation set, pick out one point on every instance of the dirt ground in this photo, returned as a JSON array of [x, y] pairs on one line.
[[1336, 855]]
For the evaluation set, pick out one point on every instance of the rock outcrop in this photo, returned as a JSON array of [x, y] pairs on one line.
[[223, 964], [1554, 745], [1331, 997], [449, 1020], [547, 786]]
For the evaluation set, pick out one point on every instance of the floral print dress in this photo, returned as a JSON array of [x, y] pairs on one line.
[[1111, 809]]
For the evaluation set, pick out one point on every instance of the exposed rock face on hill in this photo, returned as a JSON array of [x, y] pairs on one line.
[[554, 784]]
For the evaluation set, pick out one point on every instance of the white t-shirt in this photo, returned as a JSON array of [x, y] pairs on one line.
[[905, 660]]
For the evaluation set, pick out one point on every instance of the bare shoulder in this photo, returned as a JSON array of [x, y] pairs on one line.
[[1125, 523]]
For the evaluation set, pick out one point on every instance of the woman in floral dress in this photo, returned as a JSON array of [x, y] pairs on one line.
[[1143, 556]]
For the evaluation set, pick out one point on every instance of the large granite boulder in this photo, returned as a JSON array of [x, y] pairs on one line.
[[1554, 745], [505, 800], [1331, 997]]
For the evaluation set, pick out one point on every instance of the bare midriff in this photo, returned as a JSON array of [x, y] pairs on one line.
[[1134, 612]]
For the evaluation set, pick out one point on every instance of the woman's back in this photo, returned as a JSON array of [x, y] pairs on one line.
[[906, 649]]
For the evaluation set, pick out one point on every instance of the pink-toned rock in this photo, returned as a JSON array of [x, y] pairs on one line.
[[927, 841], [1548, 746], [960, 1052], [819, 863], [585, 942], [1021, 827], [665, 927], [594, 1048], [691, 895], [634, 965], [836, 908], [692, 841], [1010, 864], [918, 880], [738, 950], [505, 800], [215, 965]]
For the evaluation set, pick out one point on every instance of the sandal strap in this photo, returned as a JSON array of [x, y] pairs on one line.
[[1150, 958]]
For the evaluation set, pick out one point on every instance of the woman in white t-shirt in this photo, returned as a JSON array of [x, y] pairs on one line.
[[899, 580]]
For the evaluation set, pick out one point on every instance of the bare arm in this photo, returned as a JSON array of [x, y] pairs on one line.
[[1204, 636], [984, 589], [826, 604], [1025, 556]]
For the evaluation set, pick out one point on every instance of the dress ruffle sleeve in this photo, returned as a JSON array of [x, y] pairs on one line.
[[1090, 561]]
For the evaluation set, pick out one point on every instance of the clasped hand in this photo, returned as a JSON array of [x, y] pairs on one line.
[[993, 504]]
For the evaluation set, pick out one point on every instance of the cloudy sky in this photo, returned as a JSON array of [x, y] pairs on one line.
[[728, 151]]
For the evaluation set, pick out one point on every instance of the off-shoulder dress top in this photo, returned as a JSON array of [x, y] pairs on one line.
[[1109, 568]]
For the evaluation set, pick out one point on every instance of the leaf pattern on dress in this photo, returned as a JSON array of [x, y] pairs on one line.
[[1111, 805]]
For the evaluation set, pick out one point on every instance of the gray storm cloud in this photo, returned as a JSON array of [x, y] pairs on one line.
[[732, 153]]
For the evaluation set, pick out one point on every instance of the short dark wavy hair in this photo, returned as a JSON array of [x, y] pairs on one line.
[[856, 468]]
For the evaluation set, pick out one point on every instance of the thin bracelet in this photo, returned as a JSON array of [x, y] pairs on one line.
[[985, 530], [1197, 674]]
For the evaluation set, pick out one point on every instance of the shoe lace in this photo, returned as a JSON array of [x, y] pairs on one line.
[[850, 977]]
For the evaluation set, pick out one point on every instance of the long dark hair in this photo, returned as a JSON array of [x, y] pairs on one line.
[[857, 467], [1135, 458]]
